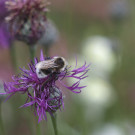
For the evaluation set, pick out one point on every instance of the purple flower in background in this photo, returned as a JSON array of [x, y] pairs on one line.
[[5, 36], [27, 19], [3, 10], [40, 83]]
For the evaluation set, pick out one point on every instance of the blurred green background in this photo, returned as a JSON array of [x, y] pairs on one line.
[[100, 32]]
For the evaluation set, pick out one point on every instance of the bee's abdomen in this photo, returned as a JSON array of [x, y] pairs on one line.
[[47, 71]]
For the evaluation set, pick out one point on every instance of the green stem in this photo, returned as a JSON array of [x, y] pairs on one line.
[[13, 56], [2, 132], [32, 50], [46, 49], [54, 123], [37, 126], [38, 130]]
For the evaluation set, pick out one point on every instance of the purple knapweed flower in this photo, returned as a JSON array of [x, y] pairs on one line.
[[43, 93], [27, 19]]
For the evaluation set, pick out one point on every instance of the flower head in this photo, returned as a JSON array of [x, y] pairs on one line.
[[26, 18], [50, 36], [43, 94]]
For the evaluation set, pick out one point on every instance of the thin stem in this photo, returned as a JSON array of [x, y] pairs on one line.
[[13, 56], [1, 123], [46, 49], [37, 126], [54, 122], [32, 50], [38, 130]]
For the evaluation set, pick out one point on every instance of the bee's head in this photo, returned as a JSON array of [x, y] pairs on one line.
[[61, 62]]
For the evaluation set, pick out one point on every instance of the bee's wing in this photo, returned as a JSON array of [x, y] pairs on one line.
[[46, 64]]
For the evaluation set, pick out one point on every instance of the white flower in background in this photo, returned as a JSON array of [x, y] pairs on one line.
[[110, 129], [97, 97], [98, 92], [99, 51]]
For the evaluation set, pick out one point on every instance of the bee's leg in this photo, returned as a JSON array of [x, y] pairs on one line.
[[64, 74], [47, 58], [48, 80]]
